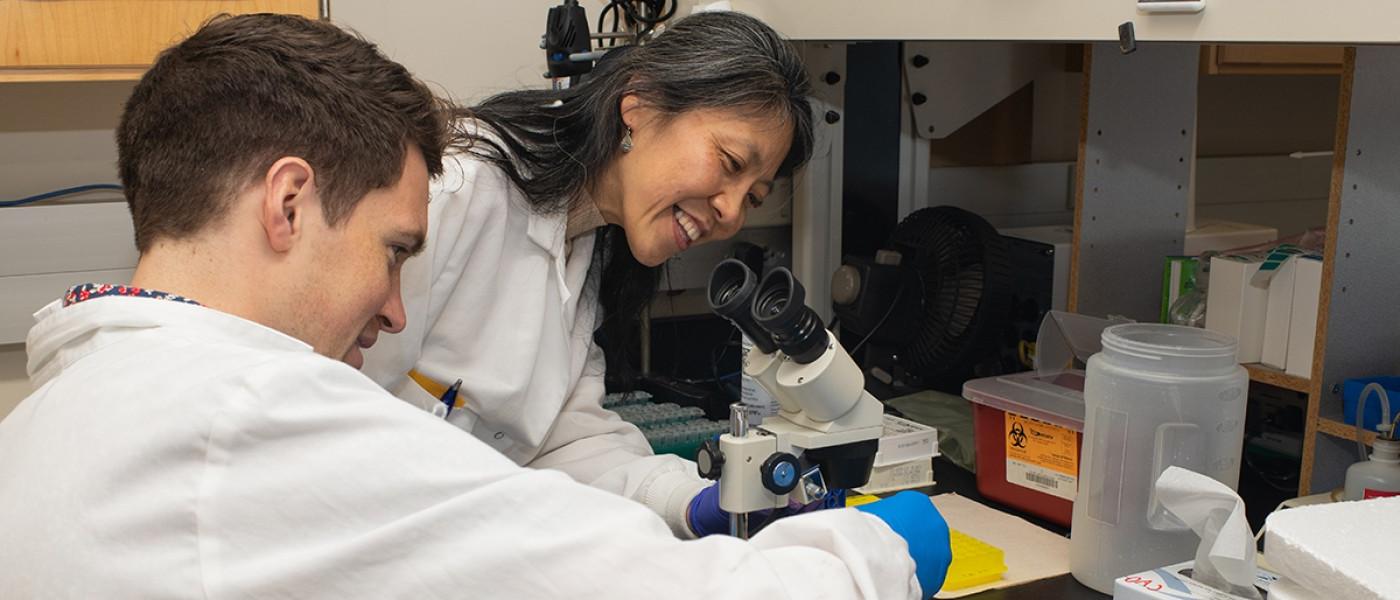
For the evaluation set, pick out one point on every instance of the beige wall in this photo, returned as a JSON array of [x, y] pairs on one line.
[[469, 48]]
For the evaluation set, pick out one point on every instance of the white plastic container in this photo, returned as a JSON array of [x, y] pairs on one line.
[[1378, 477], [1156, 396]]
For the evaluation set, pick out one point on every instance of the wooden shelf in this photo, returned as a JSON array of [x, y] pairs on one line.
[[1342, 430], [83, 74], [1277, 378], [108, 40], [1265, 59]]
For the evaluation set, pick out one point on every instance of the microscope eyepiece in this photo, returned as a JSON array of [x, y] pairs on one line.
[[731, 290], [779, 307]]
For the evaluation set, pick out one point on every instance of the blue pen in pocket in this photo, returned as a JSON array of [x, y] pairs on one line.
[[449, 397]]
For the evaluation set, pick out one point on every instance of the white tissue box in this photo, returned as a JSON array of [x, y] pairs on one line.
[[1172, 583]]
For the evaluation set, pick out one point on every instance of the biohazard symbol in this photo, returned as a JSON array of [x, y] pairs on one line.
[[1017, 435]]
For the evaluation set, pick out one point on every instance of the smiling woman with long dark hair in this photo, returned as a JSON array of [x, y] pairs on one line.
[[550, 224]]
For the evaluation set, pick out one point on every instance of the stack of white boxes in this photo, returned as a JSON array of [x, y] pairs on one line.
[[1275, 324]]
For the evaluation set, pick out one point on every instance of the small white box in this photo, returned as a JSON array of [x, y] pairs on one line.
[[904, 440], [1302, 329], [1279, 315], [1174, 583], [905, 457], [908, 475], [1235, 307]]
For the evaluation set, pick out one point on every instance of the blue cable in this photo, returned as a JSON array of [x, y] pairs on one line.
[[56, 193]]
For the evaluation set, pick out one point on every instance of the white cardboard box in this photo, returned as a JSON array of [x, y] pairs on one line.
[[1302, 329], [905, 457], [1279, 315], [908, 475], [904, 440], [1235, 307]]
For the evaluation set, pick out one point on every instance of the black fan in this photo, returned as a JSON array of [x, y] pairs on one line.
[[936, 297]]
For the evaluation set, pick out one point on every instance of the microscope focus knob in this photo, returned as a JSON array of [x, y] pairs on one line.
[[780, 473], [709, 460]]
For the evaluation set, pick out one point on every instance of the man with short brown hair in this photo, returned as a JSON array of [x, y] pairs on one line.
[[310, 117], [196, 433]]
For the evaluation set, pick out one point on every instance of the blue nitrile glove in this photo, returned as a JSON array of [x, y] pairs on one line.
[[705, 517], [913, 517]]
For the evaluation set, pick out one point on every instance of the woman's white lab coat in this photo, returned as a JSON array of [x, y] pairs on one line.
[[501, 301], [174, 451]]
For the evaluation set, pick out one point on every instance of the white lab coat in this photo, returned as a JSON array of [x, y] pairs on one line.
[[173, 451], [500, 301]]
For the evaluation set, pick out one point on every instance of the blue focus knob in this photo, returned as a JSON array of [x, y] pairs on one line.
[[780, 473]]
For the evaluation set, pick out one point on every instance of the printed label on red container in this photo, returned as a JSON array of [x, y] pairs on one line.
[[1042, 456]]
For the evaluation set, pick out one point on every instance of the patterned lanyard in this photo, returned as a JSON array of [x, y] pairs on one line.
[[88, 291]]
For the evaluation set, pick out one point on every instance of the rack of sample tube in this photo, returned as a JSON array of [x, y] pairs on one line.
[[669, 427]]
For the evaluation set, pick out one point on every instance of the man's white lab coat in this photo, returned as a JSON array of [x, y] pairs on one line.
[[174, 451], [501, 301]]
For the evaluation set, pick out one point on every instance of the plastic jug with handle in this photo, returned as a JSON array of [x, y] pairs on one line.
[[1156, 396]]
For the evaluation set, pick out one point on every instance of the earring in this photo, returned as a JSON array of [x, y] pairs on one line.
[[627, 140]]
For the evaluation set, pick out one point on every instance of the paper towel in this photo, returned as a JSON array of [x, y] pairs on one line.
[[1225, 558]]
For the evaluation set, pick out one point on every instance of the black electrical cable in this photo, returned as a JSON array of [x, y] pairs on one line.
[[659, 8], [652, 13], [602, 18], [656, 6], [616, 24], [59, 193]]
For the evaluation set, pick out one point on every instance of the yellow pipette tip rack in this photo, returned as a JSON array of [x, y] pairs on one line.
[[975, 562]]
